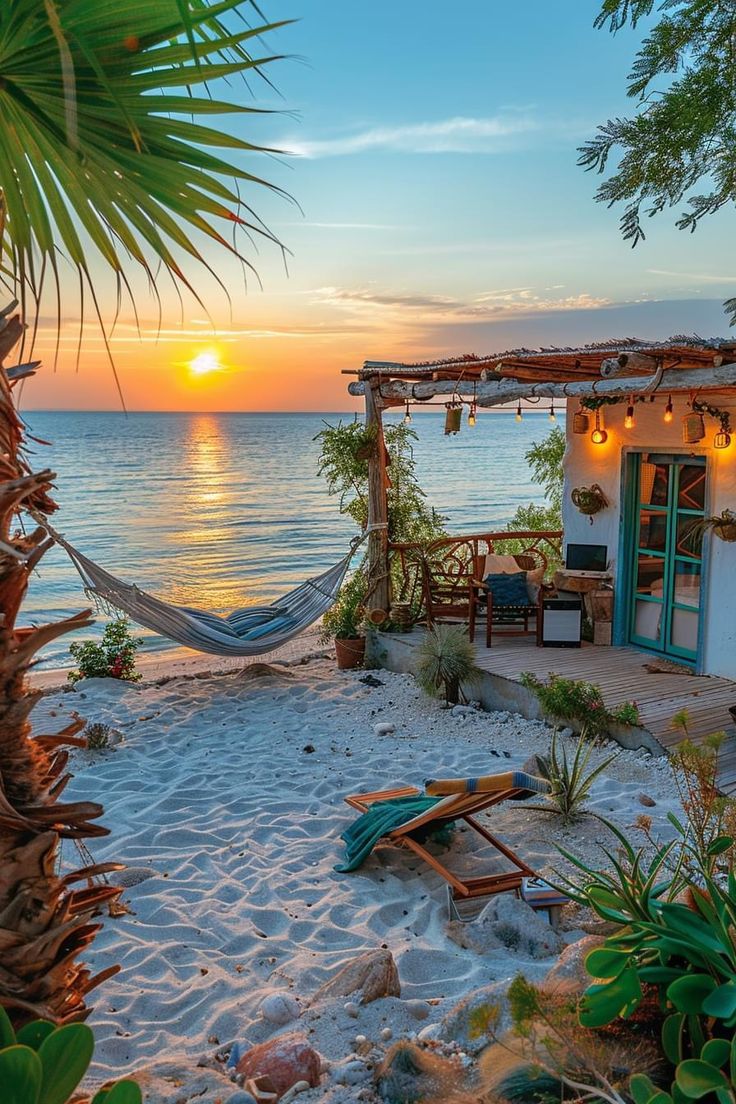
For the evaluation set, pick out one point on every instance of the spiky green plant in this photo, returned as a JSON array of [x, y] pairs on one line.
[[446, 661], [570, 779]]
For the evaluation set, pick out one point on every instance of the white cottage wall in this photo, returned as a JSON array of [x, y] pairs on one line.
[[586, 463]]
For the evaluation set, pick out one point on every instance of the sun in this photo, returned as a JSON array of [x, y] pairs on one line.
[[204, 363]]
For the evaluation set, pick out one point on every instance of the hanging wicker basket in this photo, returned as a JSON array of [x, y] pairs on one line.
[[580, 422], [693, 429], [726, 531]]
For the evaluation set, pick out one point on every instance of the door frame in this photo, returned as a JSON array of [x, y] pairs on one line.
[[629, 500]]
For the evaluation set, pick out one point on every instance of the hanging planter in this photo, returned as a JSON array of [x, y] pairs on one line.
[[693, 428], [580, 422], [722, 525], [589, 500]]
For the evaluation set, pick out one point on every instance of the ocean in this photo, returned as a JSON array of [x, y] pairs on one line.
[[219, 511]]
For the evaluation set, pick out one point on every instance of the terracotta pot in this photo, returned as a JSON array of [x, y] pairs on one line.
[[349, 651]]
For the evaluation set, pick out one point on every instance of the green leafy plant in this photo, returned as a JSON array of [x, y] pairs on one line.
[[566, 699], [709, 813], [112, 657], [545, 461], [682, 131], [446, 661], [723, 525], [570, 779], [44, 1064], [344, 619]]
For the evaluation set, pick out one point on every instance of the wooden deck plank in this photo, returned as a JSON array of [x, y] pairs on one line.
[[622, 676]]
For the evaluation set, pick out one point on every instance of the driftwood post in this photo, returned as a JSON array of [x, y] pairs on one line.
[[379, 597]]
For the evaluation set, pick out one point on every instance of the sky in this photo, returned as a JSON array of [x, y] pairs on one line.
[[437, 210]]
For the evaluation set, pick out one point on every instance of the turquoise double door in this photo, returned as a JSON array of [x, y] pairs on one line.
[[665, 565]]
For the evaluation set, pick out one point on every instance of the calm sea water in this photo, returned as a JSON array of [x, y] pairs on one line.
[[221, 510]]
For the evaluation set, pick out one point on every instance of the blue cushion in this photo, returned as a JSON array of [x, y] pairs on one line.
[[508, 590]]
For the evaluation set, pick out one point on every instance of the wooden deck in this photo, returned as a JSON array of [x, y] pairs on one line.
[[622, 676]]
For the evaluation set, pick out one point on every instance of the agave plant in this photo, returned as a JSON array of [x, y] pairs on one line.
[[570, 779], [446, 661], [106, 153]]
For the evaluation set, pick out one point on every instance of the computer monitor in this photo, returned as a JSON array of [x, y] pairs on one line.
[[586, 557]]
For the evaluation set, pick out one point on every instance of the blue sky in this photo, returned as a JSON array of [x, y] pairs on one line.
[[442, 210]]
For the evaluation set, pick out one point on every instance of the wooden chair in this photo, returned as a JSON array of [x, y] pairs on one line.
[[453, 806], [518, 616], [450, 594]]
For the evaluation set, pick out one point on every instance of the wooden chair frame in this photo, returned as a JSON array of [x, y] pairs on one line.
[[455, 807]]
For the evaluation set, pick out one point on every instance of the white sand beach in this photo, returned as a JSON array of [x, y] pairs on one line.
[[224, 797]]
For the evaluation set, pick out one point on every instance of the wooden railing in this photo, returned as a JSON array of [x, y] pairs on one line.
[[456, 555]]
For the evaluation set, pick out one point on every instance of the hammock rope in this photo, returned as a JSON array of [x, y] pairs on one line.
[[250, 631]]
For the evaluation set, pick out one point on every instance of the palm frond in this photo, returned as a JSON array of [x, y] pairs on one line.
[[126, 165]]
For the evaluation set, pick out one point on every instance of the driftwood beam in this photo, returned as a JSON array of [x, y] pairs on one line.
[[497, 392]]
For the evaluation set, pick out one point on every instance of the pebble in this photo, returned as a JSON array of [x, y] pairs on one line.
[[386, 1034], [296, 1088], [352, 1009], [352, 1073], [241, 1097], [280, 1008], [419, 1009], [384, 729], [647, 801], [359, 1040]]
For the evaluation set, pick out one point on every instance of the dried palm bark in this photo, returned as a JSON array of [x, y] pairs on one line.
[[45, 922]]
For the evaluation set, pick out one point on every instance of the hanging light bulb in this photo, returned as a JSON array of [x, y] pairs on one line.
[[552, 416], [668, 415], [722, 439], [599, 435], [472, 415], [407, 414], [629, 419], [518, 412]]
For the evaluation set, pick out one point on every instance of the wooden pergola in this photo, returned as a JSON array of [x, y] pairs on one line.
[[605, 370]]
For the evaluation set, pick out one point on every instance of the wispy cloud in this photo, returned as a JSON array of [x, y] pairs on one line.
[[504, 303], [347, 225], [698, 277], [460, 134]]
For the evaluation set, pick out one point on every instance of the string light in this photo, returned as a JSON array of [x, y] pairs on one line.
[[722, 439], [407, 414], [668, 414], [599, 435], [629, 419], [552, 416], [518, 412]]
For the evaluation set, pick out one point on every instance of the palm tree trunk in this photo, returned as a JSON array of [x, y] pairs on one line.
[[44, 922]]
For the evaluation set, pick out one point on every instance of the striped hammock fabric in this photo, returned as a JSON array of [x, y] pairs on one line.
[[251, 631]]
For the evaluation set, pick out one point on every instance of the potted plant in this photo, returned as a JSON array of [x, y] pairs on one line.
[[723, 525], [344, 623], [589, 500]]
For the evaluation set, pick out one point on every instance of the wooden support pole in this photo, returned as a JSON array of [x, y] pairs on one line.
[[379, 596], [497, 392]]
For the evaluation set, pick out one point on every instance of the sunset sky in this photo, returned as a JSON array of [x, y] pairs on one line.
[[442, 212]]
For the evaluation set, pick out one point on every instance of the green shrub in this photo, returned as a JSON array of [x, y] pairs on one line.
[[44, 1064], [446, 661], [571, 780], [344, 619], [565, 699], [112, 657]]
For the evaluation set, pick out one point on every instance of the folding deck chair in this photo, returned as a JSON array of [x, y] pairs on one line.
[[460, 799]]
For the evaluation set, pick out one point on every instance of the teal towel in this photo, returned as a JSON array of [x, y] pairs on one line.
[[365, 832]]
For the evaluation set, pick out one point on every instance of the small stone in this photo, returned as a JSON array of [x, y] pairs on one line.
[[299, 1087], [419, 1009], [241, 1097], [373, 975], [352, 1073], [386, 1034], [384, 729], [647, 801], [284, 1060], [213, 1040], [308, 749], [352, 1009], [280, 1008], [359, 1040]]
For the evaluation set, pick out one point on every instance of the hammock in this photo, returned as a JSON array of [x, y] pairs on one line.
[[251, 631]]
